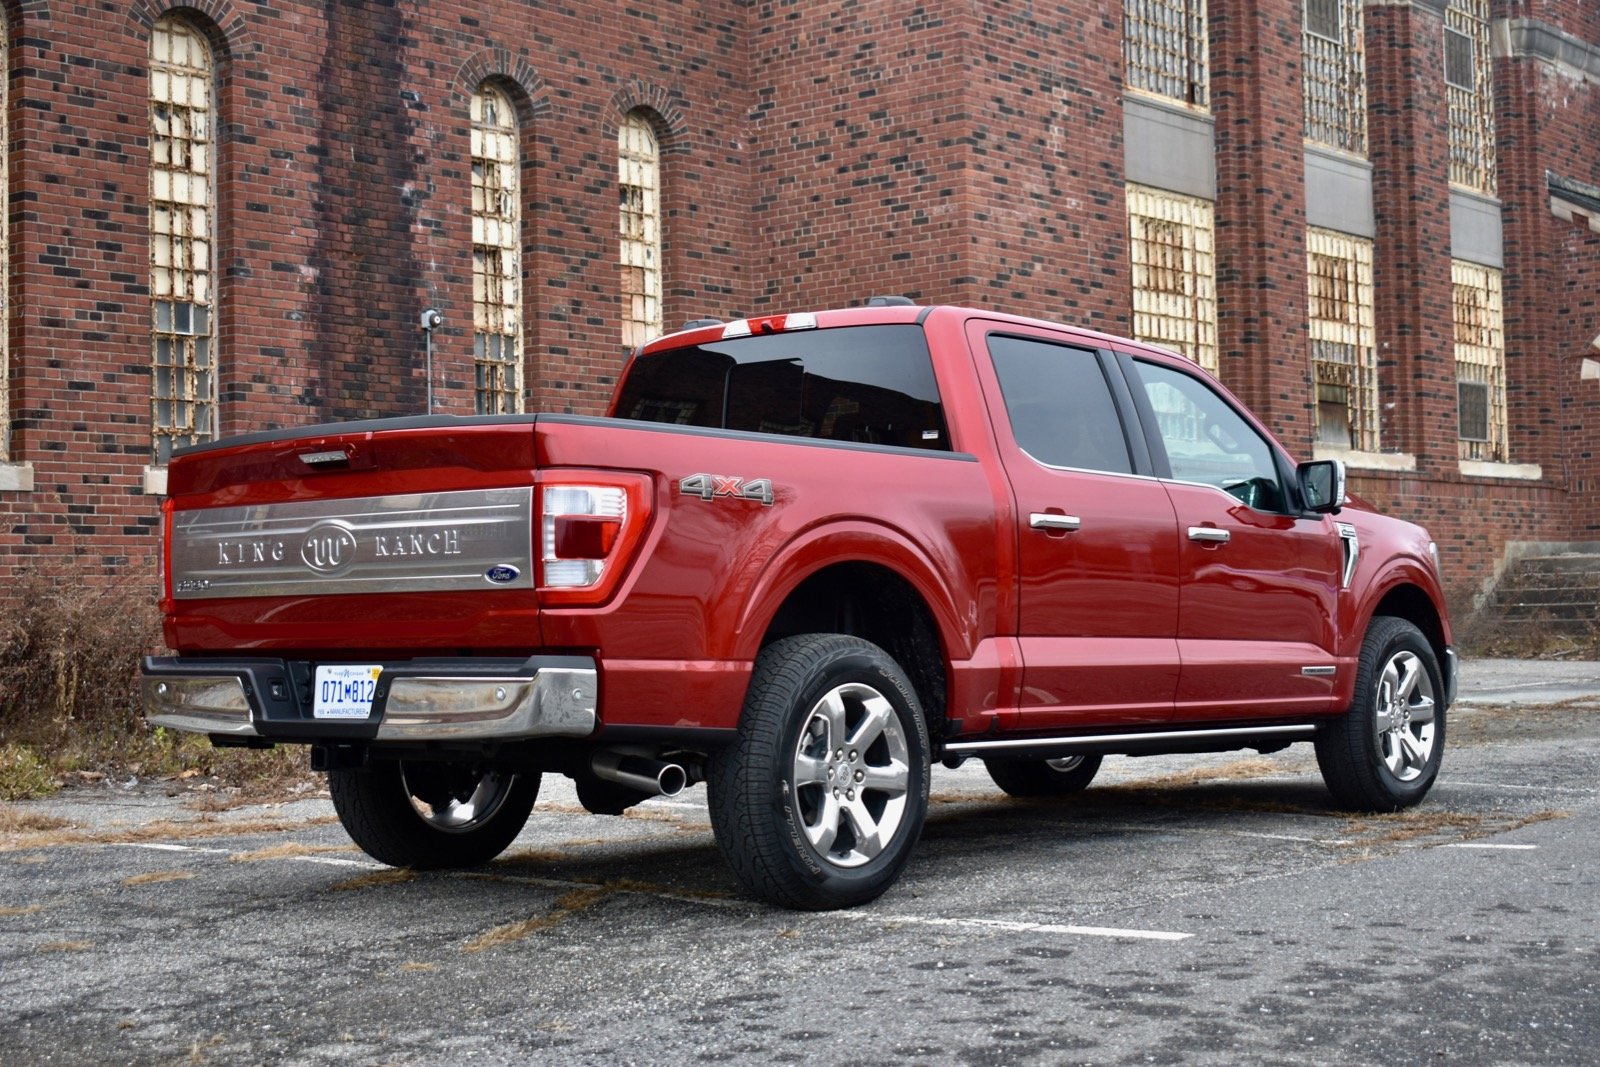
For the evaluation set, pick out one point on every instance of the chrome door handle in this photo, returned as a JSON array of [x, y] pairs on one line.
[[1209, 534], [1038, 520]]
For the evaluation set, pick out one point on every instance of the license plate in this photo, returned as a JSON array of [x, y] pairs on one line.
[[345, 691]]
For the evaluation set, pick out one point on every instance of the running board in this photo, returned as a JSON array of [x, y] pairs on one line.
[[1115, 742]]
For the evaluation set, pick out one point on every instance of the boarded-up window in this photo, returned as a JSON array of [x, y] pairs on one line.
[[1174, 274], [1343, 359], [183, 332], [1480, 361], [496, 254], [639, 187]]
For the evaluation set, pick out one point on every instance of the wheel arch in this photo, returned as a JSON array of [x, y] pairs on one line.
[[1408, 600], [878, 603]]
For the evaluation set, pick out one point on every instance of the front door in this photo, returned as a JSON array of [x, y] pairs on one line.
[[1259, 579]]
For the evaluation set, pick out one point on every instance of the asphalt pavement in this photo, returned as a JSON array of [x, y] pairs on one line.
[[1200, 909]]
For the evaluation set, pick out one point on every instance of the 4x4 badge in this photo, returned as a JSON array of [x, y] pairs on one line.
[[711, 486]]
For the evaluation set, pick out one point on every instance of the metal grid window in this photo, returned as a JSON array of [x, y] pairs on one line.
[[1164, 45], [1469, 86], [638, 182], [496, 254], [184, 381], [1480, 361], [1343, 358], [1332, 50], [1174, 273]]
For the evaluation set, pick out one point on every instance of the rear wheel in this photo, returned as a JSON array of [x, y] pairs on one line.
[[432, 815], [1043, 777], [820, 801], [1384, 753]]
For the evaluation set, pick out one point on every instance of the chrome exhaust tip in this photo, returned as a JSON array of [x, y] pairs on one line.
[[640, 772]]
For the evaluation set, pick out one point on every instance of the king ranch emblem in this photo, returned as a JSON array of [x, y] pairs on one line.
[[328, 548]]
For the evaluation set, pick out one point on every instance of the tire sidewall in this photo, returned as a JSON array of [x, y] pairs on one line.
[[867, 666], [1404, 639]]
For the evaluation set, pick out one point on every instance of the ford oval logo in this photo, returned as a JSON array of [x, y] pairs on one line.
[[502, 573], [328, 548]]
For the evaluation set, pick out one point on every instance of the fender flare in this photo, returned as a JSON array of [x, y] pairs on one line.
[[855, 540]]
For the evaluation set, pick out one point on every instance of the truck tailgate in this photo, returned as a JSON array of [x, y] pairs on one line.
[[407, 535]]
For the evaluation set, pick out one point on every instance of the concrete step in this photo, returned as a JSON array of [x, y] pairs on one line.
[[1562, 563]]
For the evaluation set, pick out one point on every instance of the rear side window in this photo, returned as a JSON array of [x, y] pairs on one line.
[[1059, 405], [868, 384]]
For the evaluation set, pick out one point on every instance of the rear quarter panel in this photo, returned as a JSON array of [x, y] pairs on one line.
[[679, 637]]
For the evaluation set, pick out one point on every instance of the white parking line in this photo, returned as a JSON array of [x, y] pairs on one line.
[[163, 847], [1508, 848], [1574, 790], [1014, 927]]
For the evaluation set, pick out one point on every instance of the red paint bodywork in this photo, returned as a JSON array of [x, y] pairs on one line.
[[1122, 623]]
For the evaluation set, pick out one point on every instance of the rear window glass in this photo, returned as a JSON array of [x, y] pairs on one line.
[[868, 384]]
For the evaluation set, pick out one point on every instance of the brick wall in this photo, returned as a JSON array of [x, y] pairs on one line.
[[813, 154]]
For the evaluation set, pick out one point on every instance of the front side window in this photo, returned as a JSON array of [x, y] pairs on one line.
[[1343, 358], [1059, 405], [1480, 361], [1469, 86], [866, 384], [639, 192], [1164, 48], [1332, 51], [496, 254], [1174, 272], [184, 373], [1207, 441]]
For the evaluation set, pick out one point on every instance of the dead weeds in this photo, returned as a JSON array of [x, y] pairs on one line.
[[157, 877], [376, 878], [160, 830]]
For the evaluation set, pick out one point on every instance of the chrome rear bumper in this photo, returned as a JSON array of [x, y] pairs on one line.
[[417, 700]]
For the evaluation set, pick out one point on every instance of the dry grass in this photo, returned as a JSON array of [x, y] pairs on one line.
[[26, 909], [510, 933], [412, 966], [157, 877], [288, 850], [1237, 770], [66, 946], [161, 830], [15, 820], [376, 878]]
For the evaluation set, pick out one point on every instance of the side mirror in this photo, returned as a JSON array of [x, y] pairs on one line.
[[1322, 485]]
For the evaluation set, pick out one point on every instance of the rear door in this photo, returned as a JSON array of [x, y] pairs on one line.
[[1259, 580], [1097, 543]]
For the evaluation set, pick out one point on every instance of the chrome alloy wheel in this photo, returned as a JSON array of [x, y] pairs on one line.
[[1405, 716], [852, 772], [452, 800], [1064, 764]]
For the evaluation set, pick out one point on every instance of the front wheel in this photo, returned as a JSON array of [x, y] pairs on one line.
[[432, 816], [819, 802], [1384, 753]]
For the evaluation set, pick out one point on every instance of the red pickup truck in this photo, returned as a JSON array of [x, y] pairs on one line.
[[804, 557]]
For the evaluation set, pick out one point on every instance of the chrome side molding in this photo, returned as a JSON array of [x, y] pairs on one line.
[[1109, 742]]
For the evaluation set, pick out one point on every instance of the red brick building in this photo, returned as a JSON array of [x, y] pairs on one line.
[[1379, 222]]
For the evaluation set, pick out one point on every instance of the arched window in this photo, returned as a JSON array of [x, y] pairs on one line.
[[182, 229], [639, 186], [496, 254]]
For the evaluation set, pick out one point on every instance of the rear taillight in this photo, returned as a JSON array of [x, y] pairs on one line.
[[590, 524], [164, 555]]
